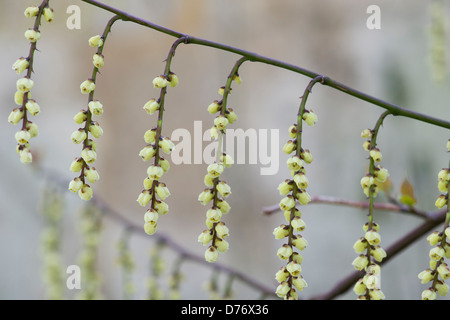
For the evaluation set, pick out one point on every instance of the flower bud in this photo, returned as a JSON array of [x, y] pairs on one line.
[[31, 11], [32, 128], [282, 289], [150, 135], [80, 117], [147, 153], [144, 198], [214, 132], [76, 165], [223, 206], [214, 215], [281, 232], [20, 65], [289, 147], [48, 14], [303, 197], [284, 252], [206, 196], [88, 155], [282, 275], [287, 203], [98, 60], [231, 115], [375, 154], [150, 227], [95, 107], [367, 134], [298, 224], [360, 245], [91, 175], [96, 41], [211, 254], [294, 268], [306, 156], [378, 253], [205, 237], [87, 86], [237, 78], [214, 107], [285, 187], [151, 216], [160, 82], [429, 294], [373, 237], [78, 136], [85, 192], [24, 84], [426, 276], [32, 35], [299, 242], [155, 172], [376, 294], [151, 106], [222, 230], [226, 160], [166, 145], [441, 288], [15, 116], [381, 174], [161, 207], [310, 118], [360, 262], [22, 136], [223, 188], [434, 238], [32, 107], [215, 169], [301, 181], [221, 245], [444, 271], [95, 129], [173, 79], [221, 122], [293, 131], [359, 288], [162, 191], [294, 163], [75, 185], [25, 156], [441, 201]]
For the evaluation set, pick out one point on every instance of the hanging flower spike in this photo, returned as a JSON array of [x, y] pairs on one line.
[[217, 189], [22, 97], [368, 248], [155, 191], [91, 127], [289, 276], [439, 270]]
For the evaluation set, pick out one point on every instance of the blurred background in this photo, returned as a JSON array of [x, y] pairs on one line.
[[392, 63]]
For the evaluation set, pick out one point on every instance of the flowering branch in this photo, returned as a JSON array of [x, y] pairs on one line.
[[394, 109]]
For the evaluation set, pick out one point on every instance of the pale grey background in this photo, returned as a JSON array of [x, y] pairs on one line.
[[327, 36]]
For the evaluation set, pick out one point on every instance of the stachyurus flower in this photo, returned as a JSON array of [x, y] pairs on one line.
[[438, 271]]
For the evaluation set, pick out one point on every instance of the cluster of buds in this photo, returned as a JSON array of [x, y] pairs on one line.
[[83, 164], [439, 271], [25, 104], [368, 247], [217, 190], [294, 190], [155, 191]]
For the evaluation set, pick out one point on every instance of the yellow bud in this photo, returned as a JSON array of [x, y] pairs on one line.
[[155, 172], [299, 242], [166, 145], [88, 155], [76, 165], [87, 86], [32, 35], [373, 237], [150, 227], [144, 198], [151, 216], [85, 192], [20, 65], [287, 203], [96, 41], [75, 185], [80, 117], [160, 82], [281, 232], [151, 106], [173, 79], [289, 147], [48, 14], [147, 153], [221, 122], [284, 252], [205, 237], [98, 60], [310, 118], [95, 107], [231, 115], [32, 107], [441, 201], [298, 224], [222, 230], [24, 84], [162, 191], [211, 254], [285, 187], [360, 262], [294, 268], [78, 136], [429, 294], [91, 175], [15, 116], [223, 188], [22, 136], [375, 154], [31, 11], [206, 196], [95, 129]]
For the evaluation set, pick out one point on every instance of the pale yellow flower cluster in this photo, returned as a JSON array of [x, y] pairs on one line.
[[294, 190], [25, 105], [217, 189], [155, 191], [83, 164], [438, 270], [368, 248]]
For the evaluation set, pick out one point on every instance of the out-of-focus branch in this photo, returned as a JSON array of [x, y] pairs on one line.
[[363, 205]]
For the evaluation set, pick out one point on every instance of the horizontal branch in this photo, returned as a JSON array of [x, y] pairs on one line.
[[394, 109]]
